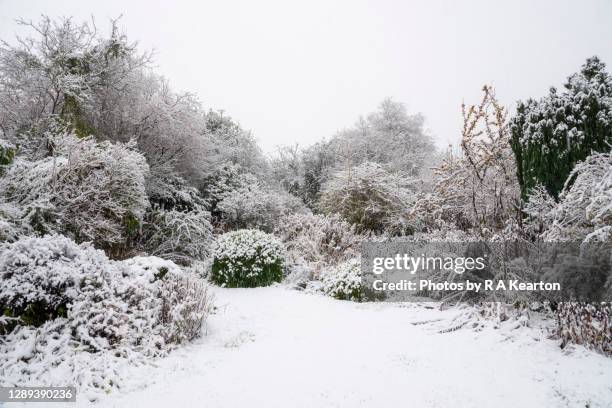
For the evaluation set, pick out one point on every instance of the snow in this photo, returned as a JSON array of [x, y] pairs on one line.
[[276, 347]]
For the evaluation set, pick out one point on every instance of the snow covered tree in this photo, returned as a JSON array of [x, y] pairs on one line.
[[551, 135], [319, 162], [90, 191], [253, 204], [68, 73], [287, 169], [477, 189], [60, 72], [539, 209], [182, 237], [388, 136], [231, 144]]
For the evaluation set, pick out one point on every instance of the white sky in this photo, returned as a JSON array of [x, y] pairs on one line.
[[300, 71]]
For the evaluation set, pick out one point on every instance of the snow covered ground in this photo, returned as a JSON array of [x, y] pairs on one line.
[[276, 347]]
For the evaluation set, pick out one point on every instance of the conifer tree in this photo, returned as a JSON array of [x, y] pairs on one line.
[[551, 135]]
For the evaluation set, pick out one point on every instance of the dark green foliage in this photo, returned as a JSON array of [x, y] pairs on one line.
[[161, 273], [167, 191], [132, 225], [6, 156], [34, 313], [71, 113], [354, 295], [551, 135], [245, 272], [318, 160]]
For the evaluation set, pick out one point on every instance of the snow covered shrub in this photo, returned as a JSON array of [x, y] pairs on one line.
[[344, 281], [255, 205], [319, 239], [181, 237], [90, 191], [371, 198], [38, 282], [587, 324], [93, 314], [186, 303], [247, 258], [105, 301], [182, 299], [584, 211]]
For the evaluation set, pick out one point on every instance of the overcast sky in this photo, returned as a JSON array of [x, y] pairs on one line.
[[300, 71]]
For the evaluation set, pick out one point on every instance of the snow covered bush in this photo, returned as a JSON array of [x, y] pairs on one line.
[[319, 239], [247, 258], [181, 237], [254, 205], [108, 302], [70, 309], [371, 198], [38, 282], [344, 281], [584, 211], [587, 324], [90, 191], [182, 299]]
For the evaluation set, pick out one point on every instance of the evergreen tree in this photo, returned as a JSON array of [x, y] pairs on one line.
[[550, 135]]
